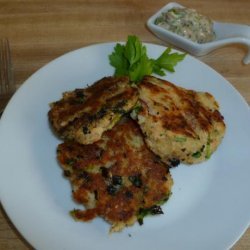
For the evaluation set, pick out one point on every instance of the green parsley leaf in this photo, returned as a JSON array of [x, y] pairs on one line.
[[143, 212], [167, 61], [132, 60], [134, 50], [118, 61], [196, 154], [140, 69]]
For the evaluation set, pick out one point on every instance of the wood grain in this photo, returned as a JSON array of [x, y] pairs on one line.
[[41, 30]]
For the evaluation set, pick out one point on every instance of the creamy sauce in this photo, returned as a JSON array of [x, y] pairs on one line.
[[187, 23]]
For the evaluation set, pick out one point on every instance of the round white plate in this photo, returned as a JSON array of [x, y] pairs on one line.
[[209, 207]]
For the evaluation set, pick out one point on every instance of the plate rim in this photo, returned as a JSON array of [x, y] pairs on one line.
[[23, 86]]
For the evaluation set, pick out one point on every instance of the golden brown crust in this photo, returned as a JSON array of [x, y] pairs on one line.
[[113, 172], [116, 176], [84, 114], [179, 123]]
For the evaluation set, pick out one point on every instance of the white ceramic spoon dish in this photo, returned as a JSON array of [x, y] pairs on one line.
[[226, 33]]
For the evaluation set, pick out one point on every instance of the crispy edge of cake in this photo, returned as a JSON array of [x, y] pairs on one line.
[[79, 101], [158, 173], [179, 124]]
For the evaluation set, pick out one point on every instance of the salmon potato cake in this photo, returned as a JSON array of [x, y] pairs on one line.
[[119, 167], [117, 178], [178, 124], [83, 115]]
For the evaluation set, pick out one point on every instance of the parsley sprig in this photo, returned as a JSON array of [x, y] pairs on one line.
[[131, 60]]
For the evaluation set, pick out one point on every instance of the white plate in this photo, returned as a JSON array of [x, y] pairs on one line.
[[209, 207]]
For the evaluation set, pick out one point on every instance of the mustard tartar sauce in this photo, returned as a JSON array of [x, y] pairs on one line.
[[187, 23]]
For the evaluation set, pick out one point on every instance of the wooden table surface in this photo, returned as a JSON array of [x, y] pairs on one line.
[[40, 31]]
